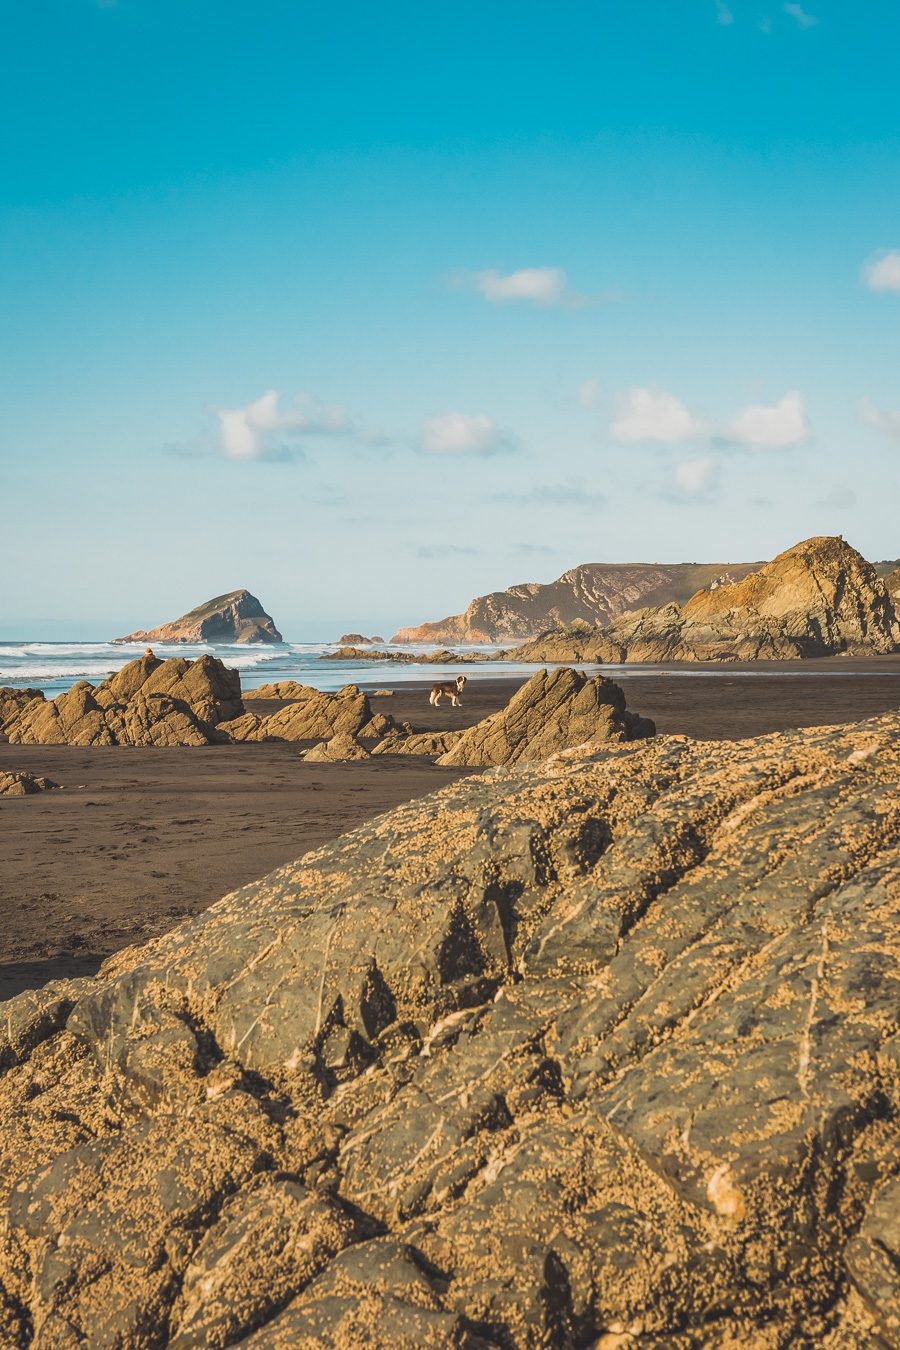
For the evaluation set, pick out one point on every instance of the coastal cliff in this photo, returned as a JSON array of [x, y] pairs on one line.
[[819, 598], [237, 617], [594, 593]]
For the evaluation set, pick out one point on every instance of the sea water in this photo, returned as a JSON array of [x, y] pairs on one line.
[[55, 666]]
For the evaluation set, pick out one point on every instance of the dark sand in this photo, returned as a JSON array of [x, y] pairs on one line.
[[141, 839]]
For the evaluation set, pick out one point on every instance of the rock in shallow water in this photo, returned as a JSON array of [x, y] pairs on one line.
[[603, 1047]]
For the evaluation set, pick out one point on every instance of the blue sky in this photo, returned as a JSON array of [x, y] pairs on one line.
[[373, 308]]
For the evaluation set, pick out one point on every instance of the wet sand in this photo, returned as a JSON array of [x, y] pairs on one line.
[[141, 839]]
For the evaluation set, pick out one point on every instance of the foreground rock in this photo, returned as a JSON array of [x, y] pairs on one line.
[[235, 617], [19, 783], [553, 711], [147, 702], [820, 598], [599, 1051]]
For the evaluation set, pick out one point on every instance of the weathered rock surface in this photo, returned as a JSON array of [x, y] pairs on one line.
[[892, 585], [309, 715], [235, 617], [147, 702], [13, 702], [602, 1051], [553, 711], [403, 742], [594, 593], [820, 598], [340, 747], [358, 639], [19, 783]]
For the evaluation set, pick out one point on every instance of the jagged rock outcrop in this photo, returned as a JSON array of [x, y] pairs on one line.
[[824, 593], [892, 585], [309, 715], [14, 701], [147, 702], [340, 747], [602, 1051], [19, 783], [235, 617], [552, 711], [819, 598], [666, 634], [358, 639], [595, 593], [401, 741]]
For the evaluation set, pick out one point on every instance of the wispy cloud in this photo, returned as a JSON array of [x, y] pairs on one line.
[[644, 414], [587, 391], [774, 426], [883, 274], [536, 550], [259, 429], [457, 433], [547, 286], [571, 494], [838, 498], [799, 15], [724, 15], [445, 551], [696, 476], [886, 421], [543, 287]]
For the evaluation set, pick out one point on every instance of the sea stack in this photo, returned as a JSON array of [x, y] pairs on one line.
[[237, 617]]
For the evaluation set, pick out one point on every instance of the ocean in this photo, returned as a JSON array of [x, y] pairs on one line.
[[55, 666]]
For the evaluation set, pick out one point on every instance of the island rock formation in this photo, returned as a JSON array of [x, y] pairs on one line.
[[237, 617], [358, 640], [595, 593], [597, 1052]]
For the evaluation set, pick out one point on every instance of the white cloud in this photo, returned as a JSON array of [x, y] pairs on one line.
[[254, 431], [803, 19], [456, 433], [884, 275], [771, 427], [587, 392], [544, 286], [696, 475], [654, 415], [724, 15], [887, 421]]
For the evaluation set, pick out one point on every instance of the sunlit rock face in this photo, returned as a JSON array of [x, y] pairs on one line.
[[600, 1050]]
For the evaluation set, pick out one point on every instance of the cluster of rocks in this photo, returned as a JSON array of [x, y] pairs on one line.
[[177, 702], [550, 712], [358, 639], [147, 702], [235, 617], [819, 598], [597, 1052], [19, 783]]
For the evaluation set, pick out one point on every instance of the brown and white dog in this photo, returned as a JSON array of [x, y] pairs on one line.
[[453, 691]]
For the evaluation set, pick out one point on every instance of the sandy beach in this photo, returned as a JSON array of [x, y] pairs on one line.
[[141, 839]]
